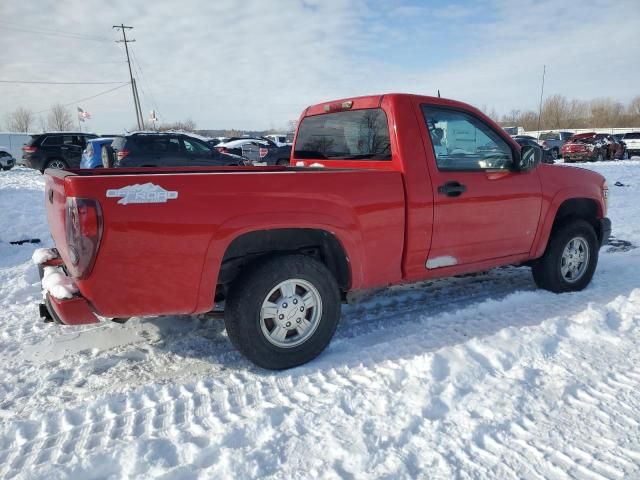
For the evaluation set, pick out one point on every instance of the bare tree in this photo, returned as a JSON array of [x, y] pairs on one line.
[[555, 111], [634, 108], [183, 126], [20, 120], [292, 125], [59, 118], [606, 113]]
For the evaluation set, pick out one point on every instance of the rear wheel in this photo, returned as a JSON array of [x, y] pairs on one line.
[[283, 312], [57, 163], [570, 260], [555, 154]]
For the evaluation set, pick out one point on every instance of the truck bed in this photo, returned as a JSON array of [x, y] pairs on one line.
[[168, 254]]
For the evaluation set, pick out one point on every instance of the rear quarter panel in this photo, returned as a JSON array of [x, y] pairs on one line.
[[164, 258]]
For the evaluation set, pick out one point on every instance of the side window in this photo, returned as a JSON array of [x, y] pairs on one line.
[[52, 141], [68, 140], [462, 142], [194, 146]]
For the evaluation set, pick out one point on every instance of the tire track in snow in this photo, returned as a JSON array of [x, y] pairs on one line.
[[219, 402]]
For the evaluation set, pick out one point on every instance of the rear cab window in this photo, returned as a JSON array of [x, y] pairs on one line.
[[632, 136], [346, 135]]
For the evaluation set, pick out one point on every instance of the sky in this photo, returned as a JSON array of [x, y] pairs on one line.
[[257, 64]]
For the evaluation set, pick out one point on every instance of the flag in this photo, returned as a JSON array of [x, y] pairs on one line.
[[82, 115]]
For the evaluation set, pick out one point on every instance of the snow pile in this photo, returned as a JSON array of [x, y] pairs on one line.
[[480, 376], [57, 284], [42, 255]]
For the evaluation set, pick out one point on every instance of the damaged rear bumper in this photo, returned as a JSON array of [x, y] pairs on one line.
[[62, 299]]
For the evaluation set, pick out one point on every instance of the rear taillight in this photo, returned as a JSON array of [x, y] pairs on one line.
[[84, 230], [263, 152], [28, 149], [122, 154]]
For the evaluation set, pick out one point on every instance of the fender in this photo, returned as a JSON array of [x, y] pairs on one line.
[[230, 230], [589, 191]]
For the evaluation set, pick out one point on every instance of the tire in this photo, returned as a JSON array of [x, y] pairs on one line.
[[283, 161], [555, 154], [56, 163], [548, 270], [256, 335], [599, 158], [107, 156]]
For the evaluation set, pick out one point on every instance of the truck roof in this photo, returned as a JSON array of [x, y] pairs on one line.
[[374, 101]]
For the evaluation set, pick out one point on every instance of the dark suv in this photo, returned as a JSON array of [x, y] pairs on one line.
[[55, 150], [153, 149]]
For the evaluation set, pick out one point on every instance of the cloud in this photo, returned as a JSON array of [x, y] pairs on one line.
[[258, 64]]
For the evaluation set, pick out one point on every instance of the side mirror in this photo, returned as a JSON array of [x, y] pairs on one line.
[[529, 158]]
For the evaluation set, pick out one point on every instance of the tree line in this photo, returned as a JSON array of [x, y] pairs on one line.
[[560, 112], [58, 118]]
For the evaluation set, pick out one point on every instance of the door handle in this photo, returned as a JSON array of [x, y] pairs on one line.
[[452, 189]]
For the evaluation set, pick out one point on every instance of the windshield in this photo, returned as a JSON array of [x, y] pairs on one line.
[[350, 135]]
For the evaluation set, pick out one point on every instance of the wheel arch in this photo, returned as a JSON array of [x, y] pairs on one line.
[[566, 209], [248, 247]]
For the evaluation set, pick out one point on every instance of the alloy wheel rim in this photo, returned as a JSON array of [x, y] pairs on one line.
[[290, 313], [574, 260]]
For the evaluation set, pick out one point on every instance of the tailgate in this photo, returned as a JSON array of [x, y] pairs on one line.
[[55, 202]]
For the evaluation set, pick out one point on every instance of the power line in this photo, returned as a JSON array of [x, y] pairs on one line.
[[36, 82], [51, 33], [86, 98], [138, 67]]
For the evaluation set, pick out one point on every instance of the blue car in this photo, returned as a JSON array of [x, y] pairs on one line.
[[92, 155]]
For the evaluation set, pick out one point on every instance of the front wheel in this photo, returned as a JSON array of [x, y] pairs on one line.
[[283, 312], [555, 154], [57, 163], [570, 260]]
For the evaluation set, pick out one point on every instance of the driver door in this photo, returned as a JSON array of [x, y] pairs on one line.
[[483, 209]]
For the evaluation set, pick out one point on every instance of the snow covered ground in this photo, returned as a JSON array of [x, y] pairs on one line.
[[475, 377]]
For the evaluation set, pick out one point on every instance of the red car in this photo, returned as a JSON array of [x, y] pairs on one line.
[[584, 147], [381, 190]]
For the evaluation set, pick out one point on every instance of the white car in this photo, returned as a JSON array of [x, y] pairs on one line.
[[279, 139], [632, 141]]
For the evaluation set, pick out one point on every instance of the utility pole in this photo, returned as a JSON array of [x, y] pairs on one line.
[[544, 69], [135, 90], [133, 85]]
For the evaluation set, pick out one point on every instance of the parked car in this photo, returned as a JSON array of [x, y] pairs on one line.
[[280, 139], [522, 140], [7, 162], [554, 142], [159, 149], [614, 150], [55, 150], [619, 138], [283, 246], [13, 142], [92, 155], [257, 150], [632, 141], [584, 147]]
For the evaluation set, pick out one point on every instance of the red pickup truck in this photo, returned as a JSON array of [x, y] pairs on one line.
[[381, 190]]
